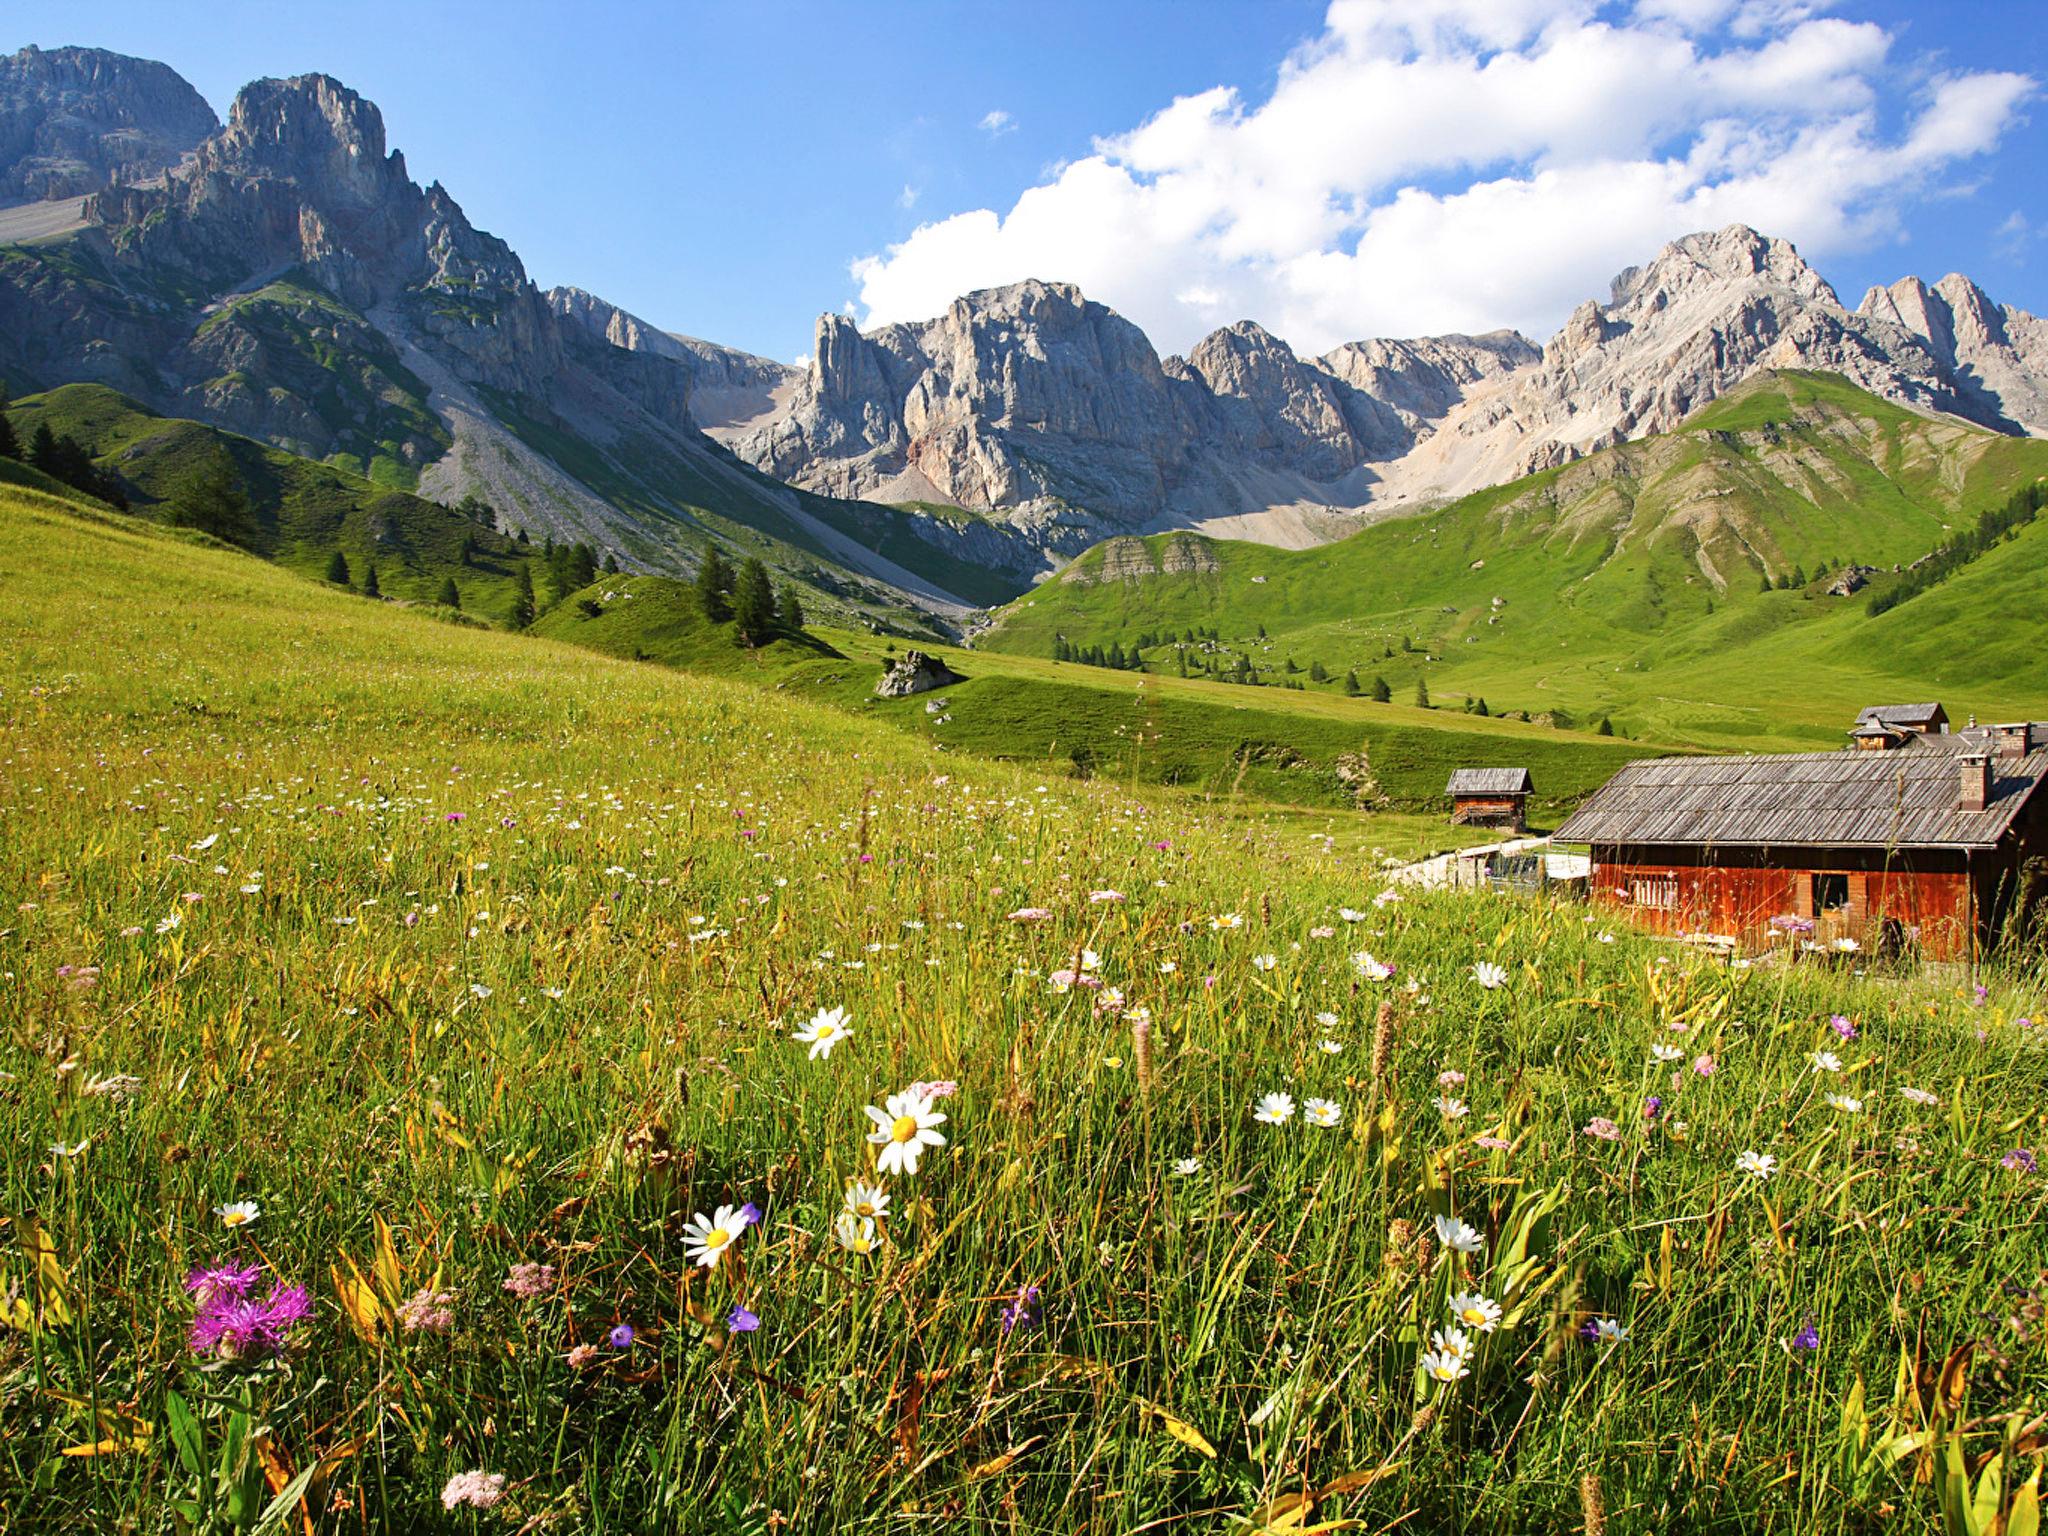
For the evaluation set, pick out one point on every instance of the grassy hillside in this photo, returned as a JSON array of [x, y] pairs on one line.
[[301, 510], [1272, 745], [1627, 584], [423, 983]]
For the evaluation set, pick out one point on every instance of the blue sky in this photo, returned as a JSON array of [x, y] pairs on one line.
[[731, 170]]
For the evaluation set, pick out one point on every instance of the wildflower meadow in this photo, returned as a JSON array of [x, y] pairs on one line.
[[454, 1082]]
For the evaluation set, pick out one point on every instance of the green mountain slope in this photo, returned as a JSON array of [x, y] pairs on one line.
[[1628, 584], [301, 511], [1290, 748]]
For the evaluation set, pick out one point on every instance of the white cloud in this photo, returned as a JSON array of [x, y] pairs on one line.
[[997, 123], [907, 198], [1430, 165]]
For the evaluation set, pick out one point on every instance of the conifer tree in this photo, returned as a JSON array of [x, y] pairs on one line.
[[753, 603], [1606, 725], [337, 568], [1381, 693], [789, 609], [714, 580], [451, 595], [10, 445], [1318, 673], [370, 587], [212, 502], [1351, 685], [1422, 693], [522, 596]]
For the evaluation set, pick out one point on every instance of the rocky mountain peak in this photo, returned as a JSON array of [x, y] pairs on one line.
[[74, 120], [313, 130], [1737, 254]]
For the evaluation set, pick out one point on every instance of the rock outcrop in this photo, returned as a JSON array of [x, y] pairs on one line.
[[915, 672], [1052, 415], [1994, 356], [727, 388], [74, 120]]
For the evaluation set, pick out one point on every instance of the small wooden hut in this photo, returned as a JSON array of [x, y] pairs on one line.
[[1490, 797]]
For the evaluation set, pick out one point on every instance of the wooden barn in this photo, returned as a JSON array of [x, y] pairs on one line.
[[1934, 843], [1490, 797]]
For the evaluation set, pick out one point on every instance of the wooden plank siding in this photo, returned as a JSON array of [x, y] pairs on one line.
[[1490, 811], [1931, 894]]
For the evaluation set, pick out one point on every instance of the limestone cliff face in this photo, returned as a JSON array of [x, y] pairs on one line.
[[726, 388], [1053, 415], [1994, 355], [74, 120]]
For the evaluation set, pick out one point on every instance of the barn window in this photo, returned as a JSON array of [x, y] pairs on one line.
[[1830, 893], [1660, 892]]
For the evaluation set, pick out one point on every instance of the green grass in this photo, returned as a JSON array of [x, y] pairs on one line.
[[303, 510], [487, 951], [1220, 742], [1628, 582]]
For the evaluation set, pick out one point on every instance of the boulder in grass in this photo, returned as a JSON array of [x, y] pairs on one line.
[[915, 672]]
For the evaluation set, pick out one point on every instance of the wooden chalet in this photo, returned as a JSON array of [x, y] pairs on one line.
[[1926, 838], [1913, 719], [1490, 797]]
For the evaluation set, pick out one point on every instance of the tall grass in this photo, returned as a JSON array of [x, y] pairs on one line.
[[488, 953]]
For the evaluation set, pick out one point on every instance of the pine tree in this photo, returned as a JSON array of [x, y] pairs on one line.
[[10, 445], [789, 610], [611, 562], [1350, 685], [714, 580], [451, 595], [1482, 709], [370, 587], [1381, 693], [1291, 668], [1422, 693], [753, 603], [1318, 673], [337, 568], [522, 596], [211, 501], [1606, 726], [582, 565]]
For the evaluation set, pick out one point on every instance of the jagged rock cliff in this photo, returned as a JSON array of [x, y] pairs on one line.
[[1052, 414], [73, 120]]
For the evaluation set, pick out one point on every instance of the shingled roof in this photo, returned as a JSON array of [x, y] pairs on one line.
[[1911, 716], [1827, 799], [1489, 781]]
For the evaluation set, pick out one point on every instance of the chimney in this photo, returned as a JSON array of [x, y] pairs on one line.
[[1976, 782], [2015, 740]]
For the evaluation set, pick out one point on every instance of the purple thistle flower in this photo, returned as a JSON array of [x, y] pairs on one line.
[[1842, 1026], [221, 1280], [1652, 1107], [2018, 1160], [1020, 1313], [240, 1328], [620, 1337], [740, 1320]]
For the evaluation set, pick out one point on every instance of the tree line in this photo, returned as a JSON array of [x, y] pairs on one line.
[[1952, 554]]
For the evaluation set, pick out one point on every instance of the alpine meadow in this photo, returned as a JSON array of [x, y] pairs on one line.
[[998, 929]]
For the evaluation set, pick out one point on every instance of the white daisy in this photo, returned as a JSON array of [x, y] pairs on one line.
[[1187, 1167], [1489, 975], [1452, 1109], [904, 1126], [1476, 1311], [826, 1029], [1759, 1165], [1322, 1112], [1607, 1331], [1330, 1047], [866, 1199], [238, 1213], [1457, 1235], [1275, 1109], [1665, 1052], [1826, 1061], [705, 1238], [1370, 968], [1847, 1104], [856, 1234], [1444, 1368]]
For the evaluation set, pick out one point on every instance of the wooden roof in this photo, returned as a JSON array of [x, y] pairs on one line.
[[1903, 714], [1826, 799], [1489, 781]]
